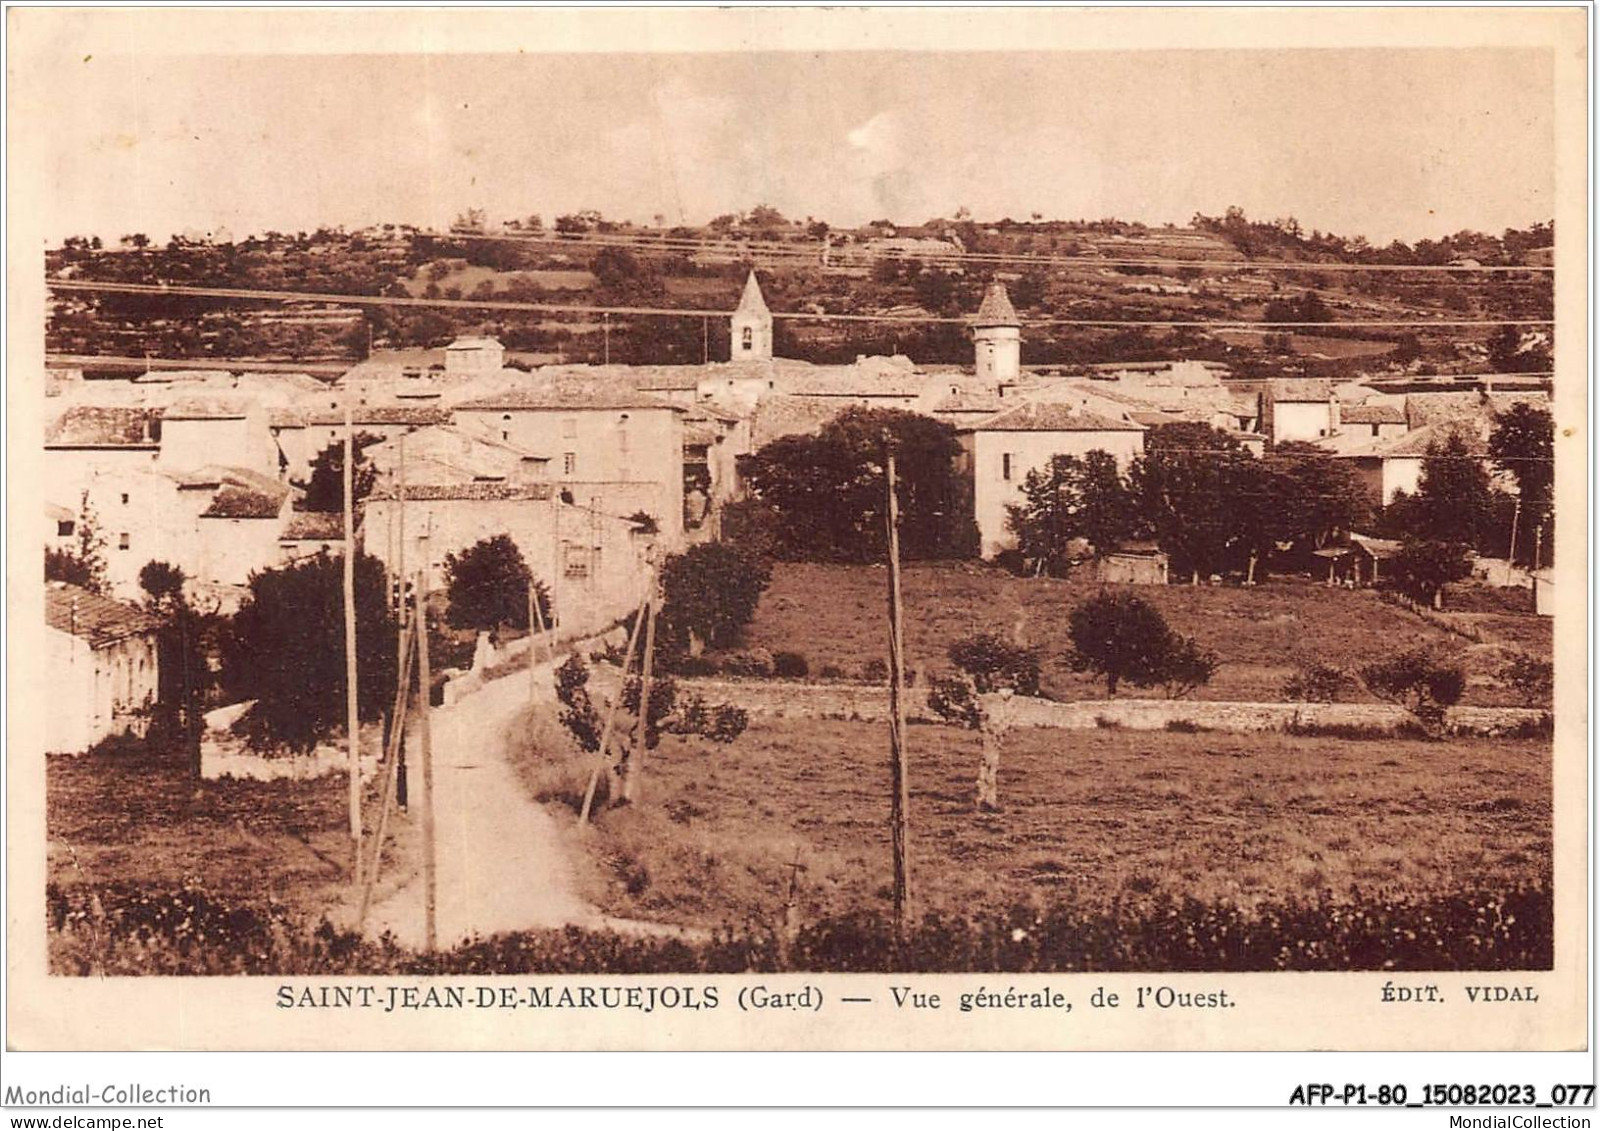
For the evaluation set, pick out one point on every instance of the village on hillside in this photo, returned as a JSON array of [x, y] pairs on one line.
[[655, 610]]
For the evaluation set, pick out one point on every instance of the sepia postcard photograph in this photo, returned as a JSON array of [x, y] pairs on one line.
[[790, 529]]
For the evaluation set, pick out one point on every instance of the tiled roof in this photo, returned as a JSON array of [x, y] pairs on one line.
[[686, 379], [99, 620], [208, 407], [970, 402], [699, 434], [475, 343], [996, 308], [313, 526], [555, 396], [465, 492], [382, 414], [779, 416], [1372, 414], [849, 381], [91, 426], [1418, 440], [1037, 417], [244, 494], [1299, 390]]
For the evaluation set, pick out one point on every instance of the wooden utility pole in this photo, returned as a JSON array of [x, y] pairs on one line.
[[611, 719], [430, 874], [630, 784], [556, 612], [352, 707], [402, 605], [900, 793], [402, 693], [1516, 513]]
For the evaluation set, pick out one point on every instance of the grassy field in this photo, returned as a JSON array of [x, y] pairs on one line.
[[837, 615], [1086, 815], [137, 817]]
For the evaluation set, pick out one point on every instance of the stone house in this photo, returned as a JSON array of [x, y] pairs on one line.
[[622, 447], [101, 660], [999, 452]]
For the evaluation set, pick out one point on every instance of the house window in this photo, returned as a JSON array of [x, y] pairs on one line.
[[747, 339], [1005, 465], [1374, 429], [569, 426], [622, 437], [124, 498], [576, 563], [504, 435], [65, 527], [569, 463], [123, 541]]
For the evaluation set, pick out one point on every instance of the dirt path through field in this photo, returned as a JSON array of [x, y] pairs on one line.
[[502, 862]]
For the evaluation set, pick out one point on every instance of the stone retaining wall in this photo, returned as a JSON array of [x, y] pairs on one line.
[[798, 699]]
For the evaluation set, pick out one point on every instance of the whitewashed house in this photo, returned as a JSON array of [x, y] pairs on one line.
[[101, 661], [1000, 451]]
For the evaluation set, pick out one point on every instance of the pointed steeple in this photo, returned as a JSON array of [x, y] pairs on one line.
[[996, 308], [753, 301], [751, 325]]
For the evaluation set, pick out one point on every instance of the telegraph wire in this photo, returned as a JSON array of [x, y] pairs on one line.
[[243, 294]]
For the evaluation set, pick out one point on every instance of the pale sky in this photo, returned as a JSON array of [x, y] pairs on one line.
[[1382, 143]]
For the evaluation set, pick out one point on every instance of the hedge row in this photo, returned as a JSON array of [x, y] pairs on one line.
[[123, 930]]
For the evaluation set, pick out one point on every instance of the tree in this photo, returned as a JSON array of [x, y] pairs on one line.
[[1523, 446], [183, 669], [324, 491], [488, 586], [1453, 495], [990, 666], [1127, 640], [286, 649], [827, 497], [709, 595], [1069, 500], [1510, 352], [934, 289], [1423, 568], [1186, 487], [1419, 682], [84, 563], [1314, 497]]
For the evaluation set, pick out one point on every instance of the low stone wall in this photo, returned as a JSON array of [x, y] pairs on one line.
[[797, 699]]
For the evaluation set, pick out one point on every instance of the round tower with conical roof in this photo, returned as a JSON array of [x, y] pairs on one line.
[[997, 337], [751, 325]]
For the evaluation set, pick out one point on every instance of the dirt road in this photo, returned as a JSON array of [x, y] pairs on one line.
[[501, 864]]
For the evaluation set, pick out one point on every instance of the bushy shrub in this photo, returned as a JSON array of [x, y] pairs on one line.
[[727, 723], [790, 665], [754, 664], [951, 698], [1317, 682], [831, 671], [123, 930], [1419, 682], [875, 671], [1533, 678], [691, 666]]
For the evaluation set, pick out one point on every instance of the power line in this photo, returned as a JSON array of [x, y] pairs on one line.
[[244, 294], [855, 252]]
